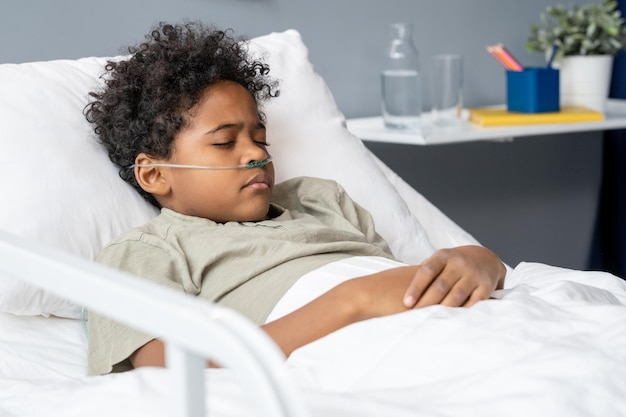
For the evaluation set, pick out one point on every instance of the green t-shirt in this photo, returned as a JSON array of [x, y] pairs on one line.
[[247, 266]]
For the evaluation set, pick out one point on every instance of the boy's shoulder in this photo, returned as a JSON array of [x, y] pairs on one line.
[[305, 184], [295, 189], [156, 227]]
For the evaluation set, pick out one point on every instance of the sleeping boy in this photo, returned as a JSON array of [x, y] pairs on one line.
[[181, 117]]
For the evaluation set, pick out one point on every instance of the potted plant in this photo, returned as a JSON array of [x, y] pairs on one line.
[[585, 38]]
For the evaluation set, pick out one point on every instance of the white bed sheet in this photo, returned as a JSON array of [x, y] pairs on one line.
[[552, 344]]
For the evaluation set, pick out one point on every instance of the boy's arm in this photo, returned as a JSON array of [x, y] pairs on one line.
[[455, 277], [374, 295]]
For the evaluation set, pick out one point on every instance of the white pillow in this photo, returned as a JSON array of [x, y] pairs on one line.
[[61, 189]]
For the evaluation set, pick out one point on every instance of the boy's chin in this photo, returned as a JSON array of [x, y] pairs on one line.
[[258, 216]]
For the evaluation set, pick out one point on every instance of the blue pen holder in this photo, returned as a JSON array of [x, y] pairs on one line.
[[532, 90]]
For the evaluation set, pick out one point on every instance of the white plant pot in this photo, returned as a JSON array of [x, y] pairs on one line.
[[585, 80]]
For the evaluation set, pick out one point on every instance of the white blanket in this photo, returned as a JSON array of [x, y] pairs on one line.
[[552, 344]]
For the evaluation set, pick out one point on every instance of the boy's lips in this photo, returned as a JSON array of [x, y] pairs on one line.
[[259, 181]]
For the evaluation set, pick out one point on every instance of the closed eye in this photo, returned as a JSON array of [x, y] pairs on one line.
[[224, 144]]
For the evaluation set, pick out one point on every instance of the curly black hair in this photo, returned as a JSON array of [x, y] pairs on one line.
[[146, 98]]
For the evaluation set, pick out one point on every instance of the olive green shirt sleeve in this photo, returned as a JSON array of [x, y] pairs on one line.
[[110, 342]]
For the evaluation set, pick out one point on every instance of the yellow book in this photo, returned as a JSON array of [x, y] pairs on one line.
[[499, 116]]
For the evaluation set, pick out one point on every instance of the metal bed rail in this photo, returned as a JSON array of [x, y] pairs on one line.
[[193, 330]]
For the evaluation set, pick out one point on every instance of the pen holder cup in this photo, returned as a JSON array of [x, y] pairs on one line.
[[532, 90]]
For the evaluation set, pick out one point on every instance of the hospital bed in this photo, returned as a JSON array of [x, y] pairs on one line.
[[551, 343]]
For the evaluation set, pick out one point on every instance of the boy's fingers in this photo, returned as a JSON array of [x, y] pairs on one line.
[[439, 289], [460, 294], [479, 294], [425, 275]]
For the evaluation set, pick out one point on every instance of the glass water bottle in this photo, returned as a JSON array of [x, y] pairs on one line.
[[400, 81]]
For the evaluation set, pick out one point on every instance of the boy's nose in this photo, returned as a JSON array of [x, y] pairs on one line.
[[255, 153]]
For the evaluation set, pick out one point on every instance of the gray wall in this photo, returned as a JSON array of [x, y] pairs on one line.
[[533, 199]]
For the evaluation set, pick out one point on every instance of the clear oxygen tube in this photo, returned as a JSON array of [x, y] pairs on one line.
[[251, 164]]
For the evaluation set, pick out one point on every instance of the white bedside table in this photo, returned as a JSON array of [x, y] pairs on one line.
[[372, 129]]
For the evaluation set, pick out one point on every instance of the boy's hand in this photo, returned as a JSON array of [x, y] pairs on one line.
[[455, 277]]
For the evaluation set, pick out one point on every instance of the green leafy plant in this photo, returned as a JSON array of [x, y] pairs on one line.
[[590, 29]]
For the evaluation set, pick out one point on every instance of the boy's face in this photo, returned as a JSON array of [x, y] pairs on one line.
[[224, 130]]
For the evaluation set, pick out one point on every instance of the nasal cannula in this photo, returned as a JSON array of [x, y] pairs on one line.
[[251, 164]]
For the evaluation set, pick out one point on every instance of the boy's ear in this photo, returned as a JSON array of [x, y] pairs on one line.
[[151, 179]]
